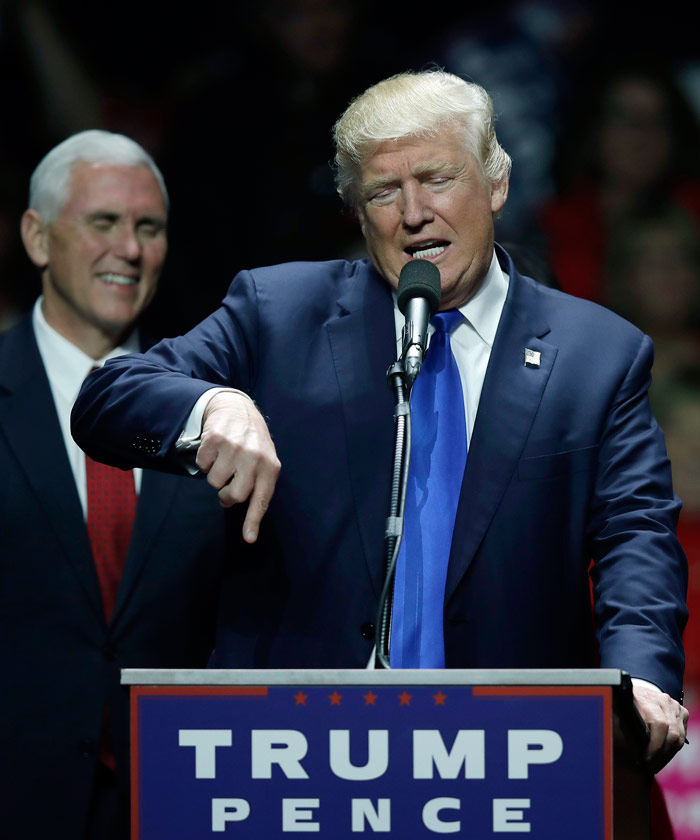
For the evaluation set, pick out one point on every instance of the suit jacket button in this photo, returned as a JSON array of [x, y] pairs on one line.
[[147, 444], [86, 747], [368, 630]]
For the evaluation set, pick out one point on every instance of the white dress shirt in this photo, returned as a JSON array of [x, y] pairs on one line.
[[66, 367]]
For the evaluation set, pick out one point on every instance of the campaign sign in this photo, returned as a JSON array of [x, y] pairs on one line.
[[338, 761]]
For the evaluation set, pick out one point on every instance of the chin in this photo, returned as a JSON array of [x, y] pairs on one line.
[[117, 326]]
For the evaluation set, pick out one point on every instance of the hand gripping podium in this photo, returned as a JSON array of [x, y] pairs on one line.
[[406, 754]]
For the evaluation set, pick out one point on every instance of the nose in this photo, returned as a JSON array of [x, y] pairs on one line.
[[127, 244], [416, 209]]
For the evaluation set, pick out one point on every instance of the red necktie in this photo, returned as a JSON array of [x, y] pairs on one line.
[[111, 498], [111, 503]]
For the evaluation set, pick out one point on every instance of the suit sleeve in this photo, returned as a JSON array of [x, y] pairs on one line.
[[640, 571], [131, 412]]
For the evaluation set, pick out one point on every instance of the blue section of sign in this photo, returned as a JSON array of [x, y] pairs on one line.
[[295, 736]]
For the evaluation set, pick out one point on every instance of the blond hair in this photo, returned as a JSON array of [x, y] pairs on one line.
[[416, 104]]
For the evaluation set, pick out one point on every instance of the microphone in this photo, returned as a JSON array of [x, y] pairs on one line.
[[418, 298]]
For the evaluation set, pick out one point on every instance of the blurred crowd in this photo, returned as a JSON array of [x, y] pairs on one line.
[[236, 105]]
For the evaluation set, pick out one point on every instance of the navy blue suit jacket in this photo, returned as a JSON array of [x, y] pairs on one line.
[[566, 464], [60, 661]]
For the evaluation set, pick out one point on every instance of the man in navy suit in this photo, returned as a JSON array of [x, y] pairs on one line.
[[565, 462], [96, 230]]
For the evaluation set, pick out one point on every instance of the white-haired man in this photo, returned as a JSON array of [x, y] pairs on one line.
[[565, 462], [101, 569]]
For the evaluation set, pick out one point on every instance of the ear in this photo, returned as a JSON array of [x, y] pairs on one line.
[[499, 194], [35, 238], [361, 220], [361, 217]]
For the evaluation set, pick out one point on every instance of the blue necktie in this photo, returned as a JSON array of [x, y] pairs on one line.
[[438, 458]]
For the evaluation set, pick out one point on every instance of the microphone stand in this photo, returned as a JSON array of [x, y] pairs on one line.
[[401, 382], [418, 297]]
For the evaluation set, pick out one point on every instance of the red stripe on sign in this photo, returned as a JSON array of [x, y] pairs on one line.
[[134, 766], [537, 690], [608, 759], [184, 690]]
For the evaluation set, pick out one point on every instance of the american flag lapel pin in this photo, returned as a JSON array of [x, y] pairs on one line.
[[532, 358]]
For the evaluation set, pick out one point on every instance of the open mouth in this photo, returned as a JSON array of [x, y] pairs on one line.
[[119, 279], [432, 248]]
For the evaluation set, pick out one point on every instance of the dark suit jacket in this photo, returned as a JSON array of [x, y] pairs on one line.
[[60, 661], [565, 464]]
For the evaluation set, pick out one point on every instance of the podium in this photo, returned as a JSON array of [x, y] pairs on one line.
[[408, 754]]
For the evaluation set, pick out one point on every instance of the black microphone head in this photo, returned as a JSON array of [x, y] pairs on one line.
[[419, 278]]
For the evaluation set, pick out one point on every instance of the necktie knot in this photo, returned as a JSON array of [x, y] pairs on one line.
[[446, 321]]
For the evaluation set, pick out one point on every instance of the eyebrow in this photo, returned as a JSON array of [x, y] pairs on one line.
[[102, 214], [376, 183], [440, 167], [157, 221]]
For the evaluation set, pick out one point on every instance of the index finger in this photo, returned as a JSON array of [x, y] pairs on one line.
[[258, 503]]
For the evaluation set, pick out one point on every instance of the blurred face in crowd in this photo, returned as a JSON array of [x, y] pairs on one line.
[[655, 268], [635, 139], [665, 280], [426, 198], [101, 257], [316, 34]]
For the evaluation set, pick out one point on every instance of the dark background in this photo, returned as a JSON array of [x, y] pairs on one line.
[[236, 103]]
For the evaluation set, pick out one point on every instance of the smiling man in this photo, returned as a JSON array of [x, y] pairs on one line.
[[100, 569], [564, 463], [100, 254]]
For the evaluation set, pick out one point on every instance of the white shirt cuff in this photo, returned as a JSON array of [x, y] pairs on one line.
[[191, 436], [646, 684]]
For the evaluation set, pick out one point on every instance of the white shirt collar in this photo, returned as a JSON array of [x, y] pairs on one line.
[[483, 311], [66, 365]]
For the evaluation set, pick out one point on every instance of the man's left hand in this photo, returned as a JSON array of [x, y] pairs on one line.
[[667, 721]]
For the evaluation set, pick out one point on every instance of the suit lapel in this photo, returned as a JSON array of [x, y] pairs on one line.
[[509, 401], [156, 497], [29, 421], [363, 346]]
